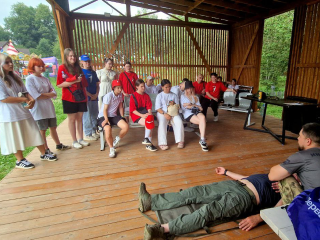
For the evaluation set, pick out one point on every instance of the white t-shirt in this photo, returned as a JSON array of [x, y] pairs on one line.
[[176, 90], [150, 90], [159, 88], [12, 112], [43, 108], [113, 101], [236, 87], [163, 99], [185, 111]]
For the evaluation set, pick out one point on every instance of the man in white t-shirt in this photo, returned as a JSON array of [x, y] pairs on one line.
[[108, 116], [149, 87]]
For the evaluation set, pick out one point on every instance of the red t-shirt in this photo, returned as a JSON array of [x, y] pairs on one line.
[[127, 88], [68, 77], [214, 89], [198, 87], [143, 101]]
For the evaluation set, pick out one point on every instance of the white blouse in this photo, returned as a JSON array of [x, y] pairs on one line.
[[163, 99], [106, 77]]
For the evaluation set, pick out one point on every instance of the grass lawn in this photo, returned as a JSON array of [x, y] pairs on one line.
[[8, 162]]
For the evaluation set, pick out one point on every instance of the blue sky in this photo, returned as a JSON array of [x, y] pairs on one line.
[[97, 7]]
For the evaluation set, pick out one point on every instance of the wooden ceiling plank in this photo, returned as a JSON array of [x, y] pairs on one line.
[[196, 4], [234, 6]]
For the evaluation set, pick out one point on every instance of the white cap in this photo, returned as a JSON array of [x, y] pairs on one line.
[[150, 78]]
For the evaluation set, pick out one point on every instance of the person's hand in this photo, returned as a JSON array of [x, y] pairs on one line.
[[203, 92], [167, 116], [234, 91], [30, 104], [104, 123], [215, 99], [275, 187], [250, 222], [125, 94], [24, 99], [144, 116], [220, 170]]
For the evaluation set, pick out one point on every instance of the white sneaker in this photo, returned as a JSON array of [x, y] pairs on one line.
[[216, 118], [77, 145], [84, 143], [96, 136], [112, 153], [90, 138], [116, 142]]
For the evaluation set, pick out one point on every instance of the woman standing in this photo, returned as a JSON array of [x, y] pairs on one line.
[[191, 110], [43, 112], [18, 130], [162, 102], [106, 76], [74, 98], [140, 110]]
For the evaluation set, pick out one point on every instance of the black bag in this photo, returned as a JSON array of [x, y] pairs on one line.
[[142, 110], [78, 94], [195, 110]]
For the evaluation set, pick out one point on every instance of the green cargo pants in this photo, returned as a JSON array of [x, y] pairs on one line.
[[226, 199], [289, 188]]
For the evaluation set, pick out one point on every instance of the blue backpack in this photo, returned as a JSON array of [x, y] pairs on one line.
[[304, 212]]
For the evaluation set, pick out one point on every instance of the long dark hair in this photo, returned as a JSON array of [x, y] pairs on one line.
[[5, 76], [74, 70]]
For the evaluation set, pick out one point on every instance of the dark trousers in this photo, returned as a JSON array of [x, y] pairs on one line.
[[205, 103]]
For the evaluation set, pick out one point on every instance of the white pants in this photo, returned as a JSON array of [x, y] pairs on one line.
[[177, 126]]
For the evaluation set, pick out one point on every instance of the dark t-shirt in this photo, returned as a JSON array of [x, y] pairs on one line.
[[307, 165], [268, 197]]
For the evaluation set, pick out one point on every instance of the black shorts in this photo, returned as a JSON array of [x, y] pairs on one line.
[[188, 118], [136, 121], [113, 121], [73, 107]]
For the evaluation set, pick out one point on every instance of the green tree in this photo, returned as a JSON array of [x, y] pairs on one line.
[[4, 34], [29, 25], [275, 51]]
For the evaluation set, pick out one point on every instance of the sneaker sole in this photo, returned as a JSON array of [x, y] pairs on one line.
[[112, 156], [62, 149], [50, 160], [24, 167], [205, 149], [146, 143], [152, 150]]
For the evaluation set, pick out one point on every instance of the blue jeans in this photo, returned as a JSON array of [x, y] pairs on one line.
[[90, 118]]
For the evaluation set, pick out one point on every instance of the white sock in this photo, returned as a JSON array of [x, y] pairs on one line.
[[150, 138], [147, 133]]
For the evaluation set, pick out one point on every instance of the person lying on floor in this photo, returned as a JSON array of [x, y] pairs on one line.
[[226, 199]]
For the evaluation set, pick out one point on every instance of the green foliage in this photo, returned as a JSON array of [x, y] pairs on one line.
[[275, 51], [144, 11], [7, 163], [33, 28], [4, 34]]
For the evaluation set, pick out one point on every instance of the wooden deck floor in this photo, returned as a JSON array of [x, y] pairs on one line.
[[87, 195]]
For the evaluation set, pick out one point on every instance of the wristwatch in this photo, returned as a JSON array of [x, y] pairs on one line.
[[225, 172]]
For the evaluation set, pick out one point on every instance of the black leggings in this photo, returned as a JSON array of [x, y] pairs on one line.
[[205, 103]]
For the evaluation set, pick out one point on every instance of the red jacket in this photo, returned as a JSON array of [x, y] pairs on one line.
[[68, 77], [214, 89], [143, 101], [126, 86]]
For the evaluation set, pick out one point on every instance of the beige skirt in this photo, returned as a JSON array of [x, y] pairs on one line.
[[19, 135]]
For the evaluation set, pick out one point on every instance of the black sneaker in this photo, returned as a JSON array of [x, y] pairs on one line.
[[24, 164], [151, 148], [48, 151], [48, 157], [62, 147], [204, 146], [146, 141]]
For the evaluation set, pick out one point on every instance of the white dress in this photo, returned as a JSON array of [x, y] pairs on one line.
[[106, 77]]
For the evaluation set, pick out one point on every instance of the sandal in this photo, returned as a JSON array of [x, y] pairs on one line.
[[163, 147], [181, 145]]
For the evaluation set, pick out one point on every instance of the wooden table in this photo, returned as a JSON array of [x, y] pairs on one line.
[[285, 103]]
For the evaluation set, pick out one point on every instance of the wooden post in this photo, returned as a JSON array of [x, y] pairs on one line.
[[119, 37], [128, 8]]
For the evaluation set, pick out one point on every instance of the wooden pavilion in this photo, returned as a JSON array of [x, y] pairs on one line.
[[231, 45], [85, 194]]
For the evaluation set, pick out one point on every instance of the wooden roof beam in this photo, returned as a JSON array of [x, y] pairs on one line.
[[256, 3], [146, 14], [235, 6], [100, 17], [196, 4], [113, 7], [84, 5], [208, 8], [185, 9]]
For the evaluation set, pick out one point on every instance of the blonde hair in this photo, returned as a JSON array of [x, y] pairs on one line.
[[4, 76]]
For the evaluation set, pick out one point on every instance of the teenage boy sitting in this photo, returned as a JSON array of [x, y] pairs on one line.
[[109, 116]]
